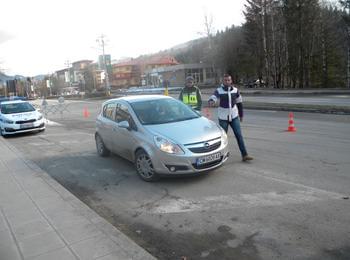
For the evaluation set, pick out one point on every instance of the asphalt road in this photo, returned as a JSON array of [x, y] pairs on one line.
[[291, 202]]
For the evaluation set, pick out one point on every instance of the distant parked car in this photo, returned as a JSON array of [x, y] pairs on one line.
[[19, 116], [255, 84], [161, 135]]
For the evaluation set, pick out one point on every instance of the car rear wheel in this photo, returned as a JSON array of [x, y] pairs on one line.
[[100, 146], [144, 166]]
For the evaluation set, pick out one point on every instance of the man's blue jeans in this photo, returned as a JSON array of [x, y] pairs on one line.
[[236, 127]]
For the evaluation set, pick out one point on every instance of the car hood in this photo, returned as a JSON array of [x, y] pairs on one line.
[[22, 116], [187, 132]]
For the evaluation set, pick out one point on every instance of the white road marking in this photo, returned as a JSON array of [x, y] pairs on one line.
[[263, 111], [66, 134], [52, 123], [62, 142], [214, 203]]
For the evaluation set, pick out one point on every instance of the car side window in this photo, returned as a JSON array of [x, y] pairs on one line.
[[122, 114], [108, 111]]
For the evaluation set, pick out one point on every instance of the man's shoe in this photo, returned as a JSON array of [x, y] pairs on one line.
[[247, 158]]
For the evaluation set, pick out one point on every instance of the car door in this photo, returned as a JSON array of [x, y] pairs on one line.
[[106, 124], [123, 138]]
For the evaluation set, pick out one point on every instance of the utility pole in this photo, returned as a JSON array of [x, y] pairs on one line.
[[101, 42]]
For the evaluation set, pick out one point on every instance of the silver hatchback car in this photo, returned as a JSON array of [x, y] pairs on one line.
[[161, 135]]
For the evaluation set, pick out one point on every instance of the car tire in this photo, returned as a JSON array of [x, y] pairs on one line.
[[1, 133], [100, 147], [144, 167]]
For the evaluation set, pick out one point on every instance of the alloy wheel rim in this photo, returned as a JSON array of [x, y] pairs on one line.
[[99, 145], [144, 166]]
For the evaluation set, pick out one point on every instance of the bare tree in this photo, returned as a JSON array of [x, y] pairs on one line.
[[208, 34], [346, 5]]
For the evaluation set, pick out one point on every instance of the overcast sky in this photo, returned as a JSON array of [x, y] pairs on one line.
[[39, 36]]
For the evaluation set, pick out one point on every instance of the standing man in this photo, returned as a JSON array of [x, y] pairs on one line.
[[191, 94], [230, 108]]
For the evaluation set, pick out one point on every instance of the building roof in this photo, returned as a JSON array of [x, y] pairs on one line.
[[82, 61], [61, 71], [163, 60], [149, 60], [179, 67]]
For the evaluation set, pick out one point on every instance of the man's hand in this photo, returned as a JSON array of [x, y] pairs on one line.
[[211, 103]]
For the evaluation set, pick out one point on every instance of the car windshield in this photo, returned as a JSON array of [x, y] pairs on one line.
[[16, 108], [162, 111]]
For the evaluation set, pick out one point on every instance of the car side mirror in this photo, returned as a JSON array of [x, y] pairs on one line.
[[124, 124]]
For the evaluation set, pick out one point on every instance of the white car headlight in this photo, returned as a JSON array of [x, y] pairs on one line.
[[40, 117], [224, 139], [167, 146]]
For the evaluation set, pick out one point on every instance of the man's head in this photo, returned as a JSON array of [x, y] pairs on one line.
[[189, 81], [227, 80]]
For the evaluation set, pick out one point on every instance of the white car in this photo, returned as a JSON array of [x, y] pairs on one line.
[[19, 117]]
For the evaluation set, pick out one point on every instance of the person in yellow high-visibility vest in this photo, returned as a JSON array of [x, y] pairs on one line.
[[191, 95]]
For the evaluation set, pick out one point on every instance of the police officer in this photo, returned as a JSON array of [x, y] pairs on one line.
[[191, 94]]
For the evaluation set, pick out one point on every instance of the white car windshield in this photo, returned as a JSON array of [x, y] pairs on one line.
[[14, 108], [162, 111]]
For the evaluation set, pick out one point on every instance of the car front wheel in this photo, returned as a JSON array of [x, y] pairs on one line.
[[2, 133], [100, 146], [144, 166]]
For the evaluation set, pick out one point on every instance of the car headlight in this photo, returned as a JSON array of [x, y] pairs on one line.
[[224, 139], [8, 121], [167, 146], [40, 117]]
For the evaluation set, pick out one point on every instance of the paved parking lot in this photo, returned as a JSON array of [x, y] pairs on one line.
[[290, 202]]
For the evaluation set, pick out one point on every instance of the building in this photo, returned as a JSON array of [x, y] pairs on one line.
[[126, 74], [79, 67], [175, 76], [132, 72]]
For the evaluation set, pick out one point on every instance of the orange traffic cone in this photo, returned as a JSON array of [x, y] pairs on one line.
[[291, 127], [86, 113]]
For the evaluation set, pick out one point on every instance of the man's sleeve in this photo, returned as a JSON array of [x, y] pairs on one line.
[[240, 109], [239, 104], [180, 96], [215, 96], [199, 99], [239, 97]]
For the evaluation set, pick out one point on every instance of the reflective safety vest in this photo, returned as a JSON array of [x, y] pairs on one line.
[[190, 98]]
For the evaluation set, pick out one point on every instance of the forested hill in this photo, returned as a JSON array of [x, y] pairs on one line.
[[287, 44]]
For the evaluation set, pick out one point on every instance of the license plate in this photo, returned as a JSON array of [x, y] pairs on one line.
[[26, 125], [208, 158]]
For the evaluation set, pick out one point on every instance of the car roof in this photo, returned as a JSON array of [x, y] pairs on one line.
[[137, 98]]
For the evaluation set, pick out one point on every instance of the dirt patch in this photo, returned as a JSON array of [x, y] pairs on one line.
[[167, 244]]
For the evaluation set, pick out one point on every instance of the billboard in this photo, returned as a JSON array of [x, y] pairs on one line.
[[108, 63]]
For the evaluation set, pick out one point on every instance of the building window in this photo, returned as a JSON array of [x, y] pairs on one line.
[[197, 74]]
